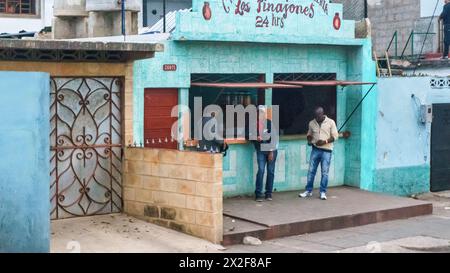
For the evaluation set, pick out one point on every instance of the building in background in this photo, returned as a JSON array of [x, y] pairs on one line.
[[410, 19], [25, 15], [94, 18], [353, 9], [153, 10]]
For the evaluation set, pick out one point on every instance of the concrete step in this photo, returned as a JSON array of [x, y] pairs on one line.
[[288, 215]]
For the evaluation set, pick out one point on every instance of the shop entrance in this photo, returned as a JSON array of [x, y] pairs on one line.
[[86, 146], [225, 90], [440, 148]]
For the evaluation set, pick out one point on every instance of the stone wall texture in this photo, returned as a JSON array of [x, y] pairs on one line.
[[175, 189], [389, 16]]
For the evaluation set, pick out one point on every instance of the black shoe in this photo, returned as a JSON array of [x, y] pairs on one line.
[[259, 199], [269, 198]]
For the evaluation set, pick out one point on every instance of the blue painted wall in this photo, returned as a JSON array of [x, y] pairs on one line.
[[24, 164], [403, 143], [240, 168]]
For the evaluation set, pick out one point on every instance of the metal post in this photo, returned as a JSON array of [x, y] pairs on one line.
[[123, 19], [396, 44], [164, 14], [366, 9], [145, 13]]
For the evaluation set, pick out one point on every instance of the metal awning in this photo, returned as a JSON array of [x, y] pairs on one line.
[[260, 85], [323, 83]]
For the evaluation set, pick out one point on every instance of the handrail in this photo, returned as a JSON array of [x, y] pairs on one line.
[[394, 37], [441, 37], [411, 40]]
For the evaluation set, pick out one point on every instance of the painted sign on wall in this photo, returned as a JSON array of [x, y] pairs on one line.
[[273, 13], [170, 67], [271, 21]]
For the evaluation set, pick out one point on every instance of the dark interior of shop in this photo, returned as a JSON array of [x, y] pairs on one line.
[[226, 96], [296, 105]]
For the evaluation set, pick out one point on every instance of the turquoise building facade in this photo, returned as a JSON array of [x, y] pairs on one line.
[[25, 162], [306, 36]]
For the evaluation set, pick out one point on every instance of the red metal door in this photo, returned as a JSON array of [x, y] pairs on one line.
[[158, 122]]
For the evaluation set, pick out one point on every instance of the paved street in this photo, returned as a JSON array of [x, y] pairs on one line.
[[420, 234], [120, 233]]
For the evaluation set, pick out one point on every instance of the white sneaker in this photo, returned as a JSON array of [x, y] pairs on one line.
[[323, 196], [305, 194]]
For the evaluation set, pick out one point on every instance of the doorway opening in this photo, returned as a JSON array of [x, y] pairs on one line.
[[440, 148]]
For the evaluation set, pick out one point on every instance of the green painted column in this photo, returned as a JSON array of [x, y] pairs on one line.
[[268, 93], [183, 102], [368, 119]]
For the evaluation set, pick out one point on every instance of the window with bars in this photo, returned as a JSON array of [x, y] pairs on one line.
[[18, 7], [297, 106]]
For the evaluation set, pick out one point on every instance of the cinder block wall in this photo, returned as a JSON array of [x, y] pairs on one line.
[[175, 189], [388, 16], [353, 9]]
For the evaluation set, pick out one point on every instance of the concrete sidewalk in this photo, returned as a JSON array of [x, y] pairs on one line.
[[420, 234], [289, 215], [119, 233]]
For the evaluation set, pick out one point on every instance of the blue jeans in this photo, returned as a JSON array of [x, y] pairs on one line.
[[262, 158], [324, 158]]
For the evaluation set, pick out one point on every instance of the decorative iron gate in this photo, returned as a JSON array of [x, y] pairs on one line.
[[86, 147]]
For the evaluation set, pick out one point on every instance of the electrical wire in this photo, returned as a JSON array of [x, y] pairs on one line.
[[356, 108]]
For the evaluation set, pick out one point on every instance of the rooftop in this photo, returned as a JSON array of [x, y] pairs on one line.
[[100, 49]]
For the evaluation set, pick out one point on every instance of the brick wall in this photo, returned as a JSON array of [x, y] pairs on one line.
[[388, 16], [175, 189], [353, 9]]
